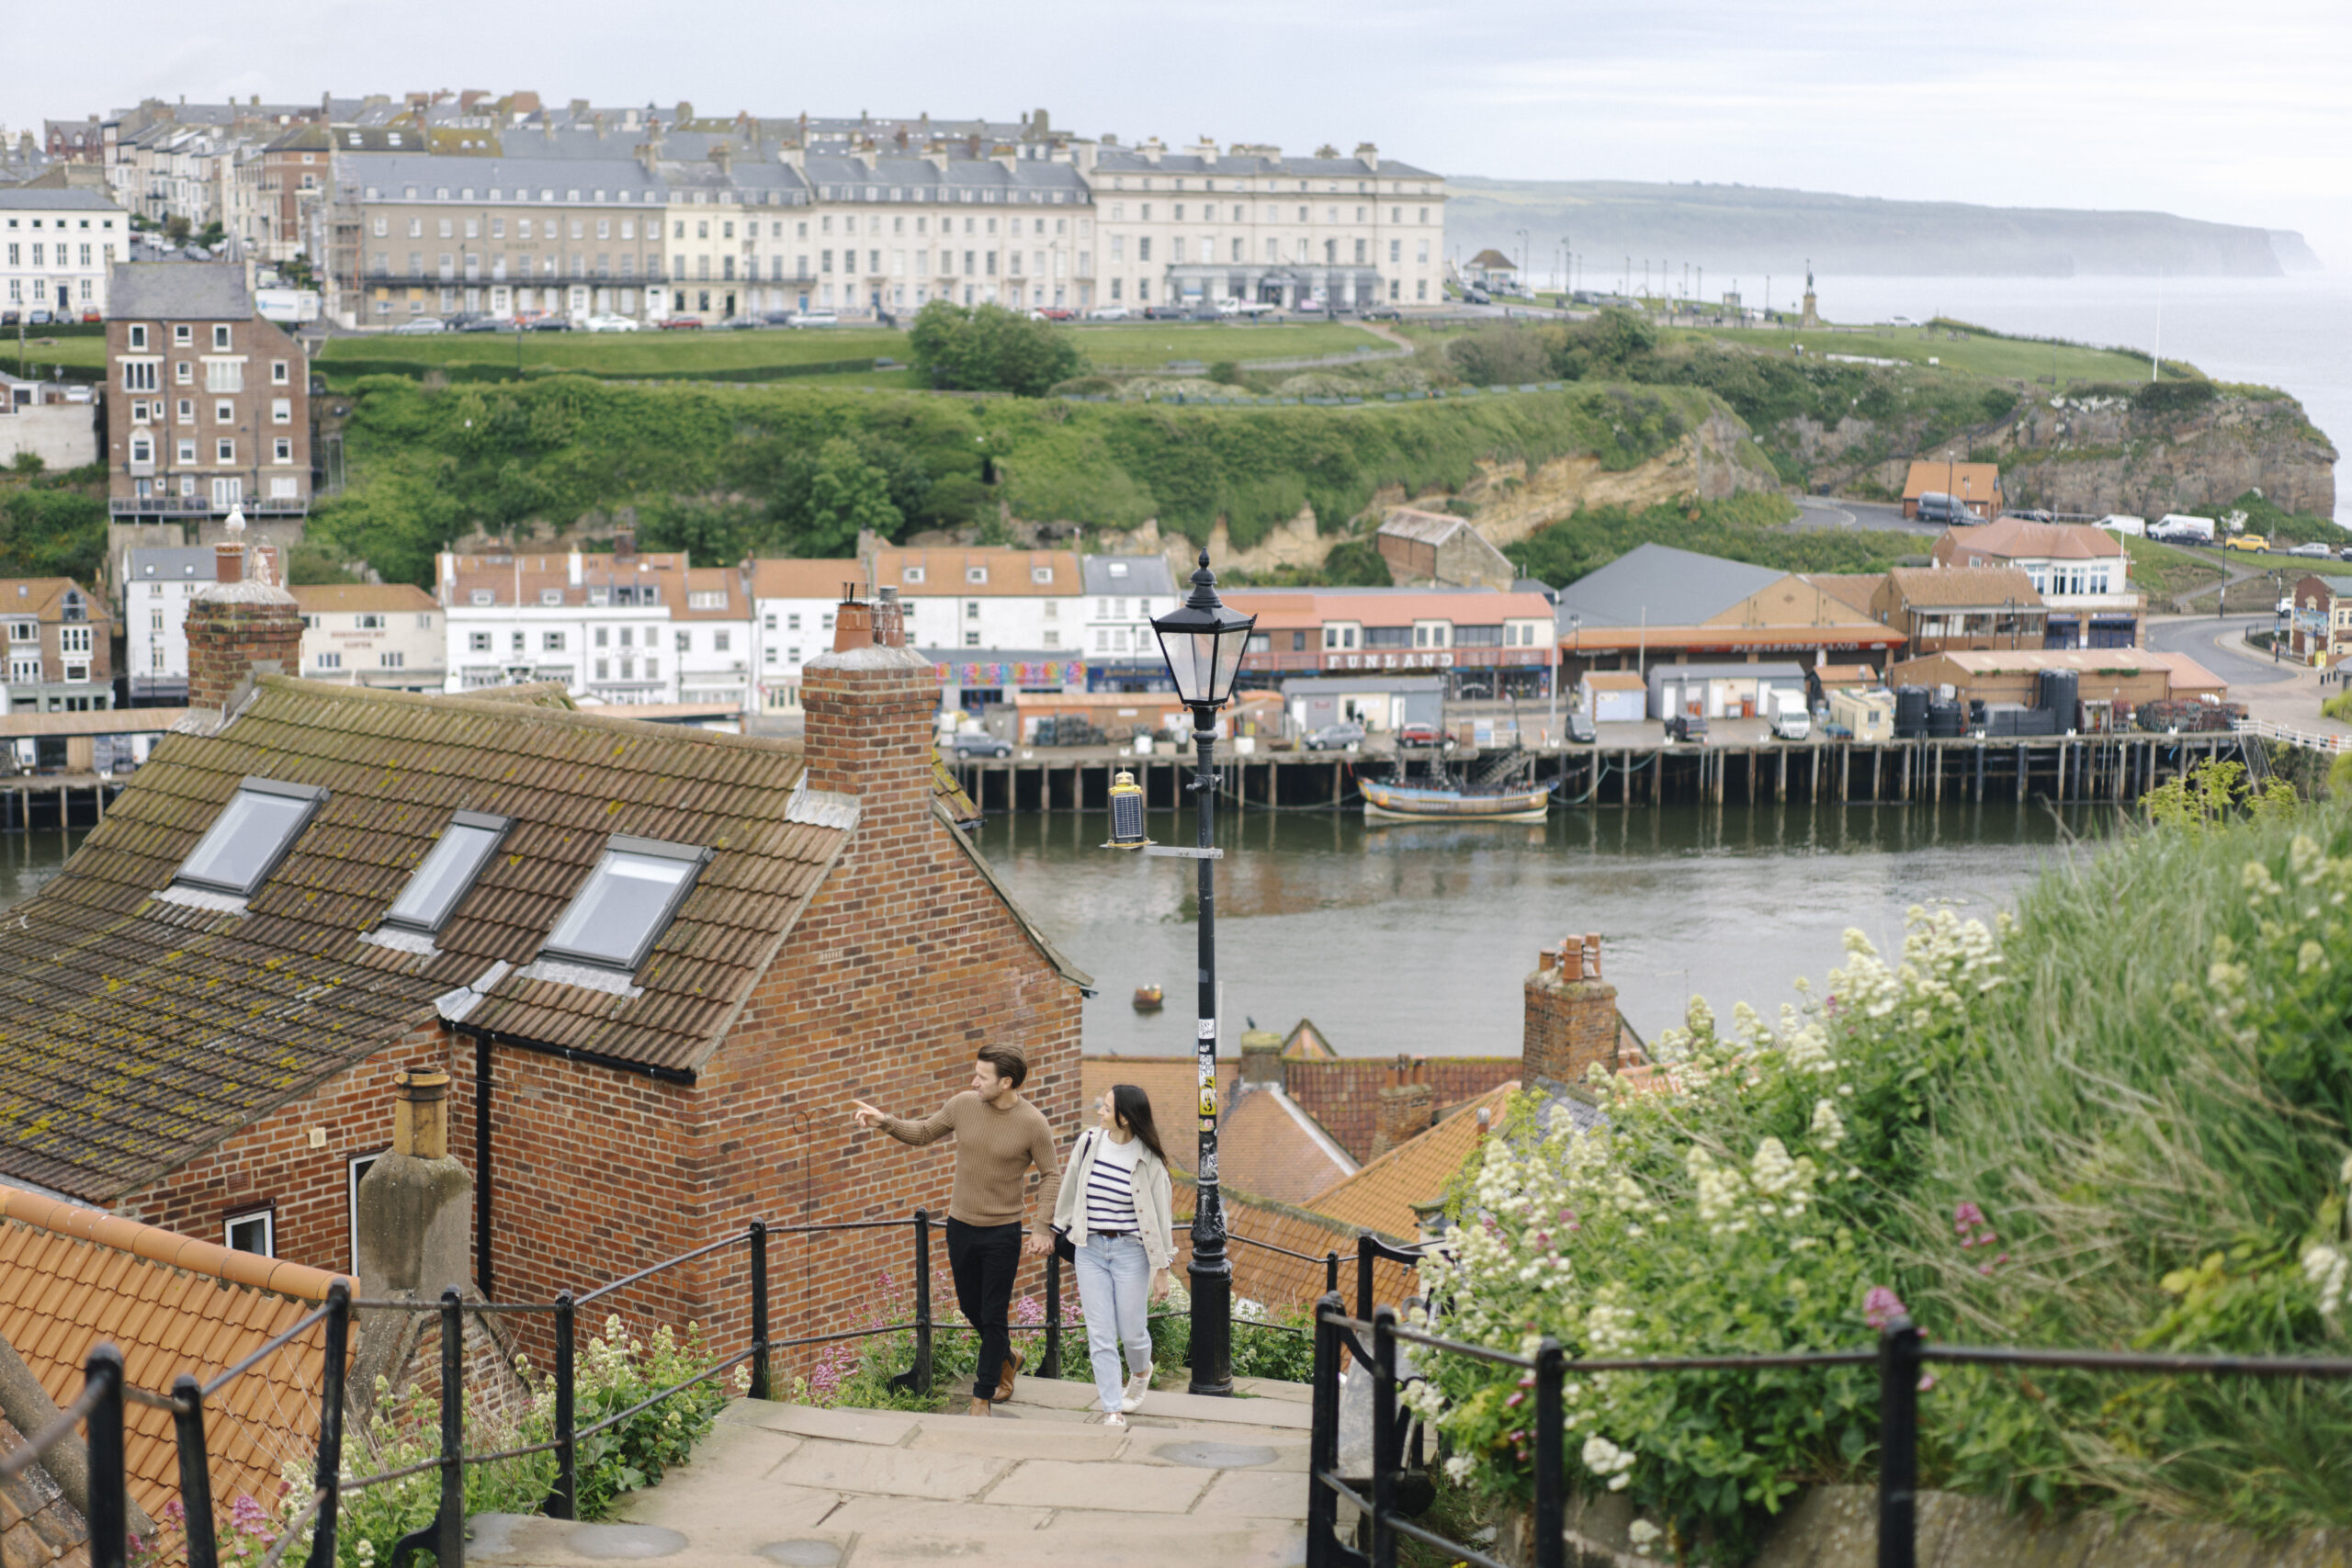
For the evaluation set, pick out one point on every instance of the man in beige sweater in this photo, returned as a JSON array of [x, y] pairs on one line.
[[999, 1135]]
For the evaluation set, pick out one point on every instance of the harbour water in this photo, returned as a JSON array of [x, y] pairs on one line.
[[1413, 938]]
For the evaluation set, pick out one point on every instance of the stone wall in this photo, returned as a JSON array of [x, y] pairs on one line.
[[63, 435]]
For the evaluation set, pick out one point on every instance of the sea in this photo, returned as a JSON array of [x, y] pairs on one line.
[[2292, 333]]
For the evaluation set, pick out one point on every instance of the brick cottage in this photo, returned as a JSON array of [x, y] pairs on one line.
[[656, 962]]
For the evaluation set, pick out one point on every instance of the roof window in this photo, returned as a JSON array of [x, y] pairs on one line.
[[250, 837], [625, 903], [448, 871]]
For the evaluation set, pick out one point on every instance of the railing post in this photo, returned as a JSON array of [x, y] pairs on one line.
[[1898, 1444], [923, 1301], [759, 1309], [1331, 1273], [1384, 1436], [1365, 1256], [563, 1502], [1323, 1434], [1049, 1364], [109, 1545], [1551, 1461], [328, 1475], [196, 1471], [449, 1527]]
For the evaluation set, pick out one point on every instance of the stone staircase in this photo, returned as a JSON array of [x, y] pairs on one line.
[[1190, 1481]]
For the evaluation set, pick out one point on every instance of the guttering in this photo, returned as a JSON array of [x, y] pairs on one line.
[[683, 1075]]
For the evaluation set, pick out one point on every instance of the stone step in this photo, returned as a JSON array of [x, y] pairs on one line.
[[1166, 1404]]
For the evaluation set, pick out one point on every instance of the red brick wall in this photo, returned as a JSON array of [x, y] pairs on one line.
[[225, 638], [1344, 1095], [1571, 1017]]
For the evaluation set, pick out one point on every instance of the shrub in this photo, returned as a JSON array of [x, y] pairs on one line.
[[2171, 397], [1497, 355], [987, 348]]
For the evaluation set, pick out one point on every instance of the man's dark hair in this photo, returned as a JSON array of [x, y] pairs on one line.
[[1010, 1064]]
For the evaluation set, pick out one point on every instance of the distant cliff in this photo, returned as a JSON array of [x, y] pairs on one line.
[[1759, 230]]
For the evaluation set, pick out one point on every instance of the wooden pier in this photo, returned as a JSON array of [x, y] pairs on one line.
[[54, 803], [2064, 769]]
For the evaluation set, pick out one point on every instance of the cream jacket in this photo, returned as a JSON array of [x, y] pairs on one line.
[[1152, 1200]]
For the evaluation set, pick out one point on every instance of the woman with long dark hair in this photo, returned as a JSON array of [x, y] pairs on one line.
[[1113, 1211]]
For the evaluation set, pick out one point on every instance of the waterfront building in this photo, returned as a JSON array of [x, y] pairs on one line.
[[370, 634], [1613, 696], [1123, 594], [601, 624], [158, 587], [60, 645], [2136, 676], [1377, 702], [1655, 601], [711, 637], [1941, 610], [2320, 624], [2080, 572], [987, 597], [793, 602], [1722, 691], [208, 405], [57, 249], [1484, 642]]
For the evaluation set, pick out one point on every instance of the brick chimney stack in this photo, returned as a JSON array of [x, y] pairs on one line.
[[872, 705], [1262, 1059], [243, 626], [1408, 1105], [1571, 1015]]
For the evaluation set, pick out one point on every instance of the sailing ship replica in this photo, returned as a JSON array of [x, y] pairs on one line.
[[1430, 786]]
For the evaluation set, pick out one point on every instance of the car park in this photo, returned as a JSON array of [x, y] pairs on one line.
[[423, 326], [610, 324], [1334, 735], [979, 743]]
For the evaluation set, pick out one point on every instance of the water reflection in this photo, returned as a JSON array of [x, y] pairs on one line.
[[1406, 937]]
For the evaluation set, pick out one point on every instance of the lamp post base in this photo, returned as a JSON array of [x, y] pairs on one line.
[[1211, 1282]]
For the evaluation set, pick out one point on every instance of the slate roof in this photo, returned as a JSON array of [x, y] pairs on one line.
[[70, 199], [175, 563], [620, 177], [1145, 576], [72, 1276], [1678, 588], [140, 1032], [179, 291]]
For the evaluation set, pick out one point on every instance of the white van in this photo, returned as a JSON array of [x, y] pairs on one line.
[[2124, 522], [2180, 525], [1786, 711]]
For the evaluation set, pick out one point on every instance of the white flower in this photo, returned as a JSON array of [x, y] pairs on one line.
[[1604, 1458], [2327, 1270], [1827, 1130], [1642, 1534], [1457, 1468]]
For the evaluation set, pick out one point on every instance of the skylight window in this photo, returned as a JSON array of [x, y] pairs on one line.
[[627, 902], [250, 837], [448, 871]]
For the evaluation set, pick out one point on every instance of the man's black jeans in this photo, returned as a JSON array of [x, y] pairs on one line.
[[984, 1260]]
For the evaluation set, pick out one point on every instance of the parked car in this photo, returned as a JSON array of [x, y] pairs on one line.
[[2345, 554], [1477, 296], [979, 743], [1107, 313], [1581, 730], [1423, 735], [424, 326], [1163, 313], [2032, 514], [610, 324], [1331, 735], [1688, 727], [91, 313], [777, 318], [1057, 313], [8, 318], [489, 324], [36, 318], [1948, 510], [815, 318], [1383, 313], [2254, 543], [742, 323], [551, 323], [2310, 547], [680, 323]]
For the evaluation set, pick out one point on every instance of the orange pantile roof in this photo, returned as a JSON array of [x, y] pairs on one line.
[[2015, 538], [346, 598], [1170, 1083], [1276, 1278], [1343, 1094], [71, 1276], [1007, 572], [1462, 607], [1267, 1144], [778, 578], [723, 581], [1962, 587], [1382, 1196], [1976, 483], [1304, 1043], [536, 574]]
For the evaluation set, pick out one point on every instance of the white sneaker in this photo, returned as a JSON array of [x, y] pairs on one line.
[[1137, 1386], [1114, 1419]]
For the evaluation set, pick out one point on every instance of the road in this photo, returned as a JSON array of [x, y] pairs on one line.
[[2219, 643], [1821, 515]]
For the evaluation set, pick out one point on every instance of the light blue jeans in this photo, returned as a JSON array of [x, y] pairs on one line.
[[1114, 1289]]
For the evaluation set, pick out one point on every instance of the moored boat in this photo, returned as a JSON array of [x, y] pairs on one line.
[[1404, 803]]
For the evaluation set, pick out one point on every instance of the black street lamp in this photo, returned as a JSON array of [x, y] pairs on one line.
[[1203, 642]]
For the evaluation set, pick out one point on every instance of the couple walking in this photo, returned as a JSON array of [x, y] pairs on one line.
[[1112, 1215]]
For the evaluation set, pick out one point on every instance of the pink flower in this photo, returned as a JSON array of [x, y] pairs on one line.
[[1966, 1215], [1985, 1269], [1881, 1307], [174, 1512], [1926, 1382]]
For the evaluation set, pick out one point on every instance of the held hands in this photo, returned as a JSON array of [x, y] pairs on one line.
[[865, 1115], [1037, 1246]]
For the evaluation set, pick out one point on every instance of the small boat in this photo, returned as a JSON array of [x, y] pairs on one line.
[[1404, 803], [1148, 999]]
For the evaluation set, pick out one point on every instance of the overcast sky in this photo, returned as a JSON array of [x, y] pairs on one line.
[[2234, 111]]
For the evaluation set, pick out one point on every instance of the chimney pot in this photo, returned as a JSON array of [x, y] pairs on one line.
[[1571, 1023], [420, 1113]]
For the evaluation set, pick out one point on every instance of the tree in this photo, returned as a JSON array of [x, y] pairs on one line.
[[846, 495], [1497, 355], [987, 348]]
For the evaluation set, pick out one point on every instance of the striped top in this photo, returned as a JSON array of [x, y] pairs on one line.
[[1110, 1186]]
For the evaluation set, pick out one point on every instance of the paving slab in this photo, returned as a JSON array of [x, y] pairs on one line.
[[1019, 1439], [1286, 1415], [735, 1514], [1240, 1494], [1102, 1488], [1151, 1445], [978, 1521], [1274, 1388], [884, 1428], [896, 1472], [1169, 1543]]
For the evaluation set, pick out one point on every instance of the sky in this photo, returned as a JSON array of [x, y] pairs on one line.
[[2234, 112]]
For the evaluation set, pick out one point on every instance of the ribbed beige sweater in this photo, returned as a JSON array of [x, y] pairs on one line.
[[994, 1150]]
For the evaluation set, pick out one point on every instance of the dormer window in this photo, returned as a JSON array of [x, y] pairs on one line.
[[1118, 568], [911, 574], [252, 833], [1041, 574], [627, 903], [551, 596], [481, 596], [975, 574], [448, 871]]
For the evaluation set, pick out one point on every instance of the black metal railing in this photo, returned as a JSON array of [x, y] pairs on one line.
[[99, 1408], [1900, 1356]]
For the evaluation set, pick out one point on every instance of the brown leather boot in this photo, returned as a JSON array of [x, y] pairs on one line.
[[979, 1408], [1004, 1385]]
